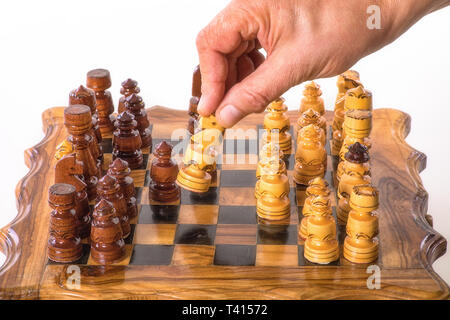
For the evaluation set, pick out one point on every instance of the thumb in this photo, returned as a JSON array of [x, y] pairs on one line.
[[268, 82]]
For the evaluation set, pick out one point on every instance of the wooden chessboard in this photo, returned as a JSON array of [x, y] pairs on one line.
[[211, 246]]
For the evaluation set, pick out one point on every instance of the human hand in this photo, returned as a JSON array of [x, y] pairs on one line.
[[303, 40]]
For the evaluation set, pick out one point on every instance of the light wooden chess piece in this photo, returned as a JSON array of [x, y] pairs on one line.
[[273, 203], [311, 116], [346, 81], [315, 205], [201, 155], [321, 245], [270, 152], [356, 172], [317, 187], [277, 125], [358, 98], [310, 157], [312, 99], [357, 127], [361, 244]]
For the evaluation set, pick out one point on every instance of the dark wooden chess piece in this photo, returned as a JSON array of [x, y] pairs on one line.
[[127, 141], [86, 96], [195, 98], [78, 122], [120, 170], [99, 80], [163, 173], [64, 244], [136, 106], [129, 87], [70, 171], [107, 244], [110, 190]]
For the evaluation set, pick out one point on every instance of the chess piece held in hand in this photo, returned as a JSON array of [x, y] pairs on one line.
[[64, 244], [107, 244], [163, 174]]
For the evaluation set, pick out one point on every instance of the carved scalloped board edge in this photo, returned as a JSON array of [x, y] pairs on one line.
[[10, 243], [296, 283], [434, 245]]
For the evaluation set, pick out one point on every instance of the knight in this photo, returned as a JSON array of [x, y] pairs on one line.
[[70, 171], [200, 157]]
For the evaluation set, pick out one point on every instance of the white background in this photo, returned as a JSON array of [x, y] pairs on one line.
[[46, 48]]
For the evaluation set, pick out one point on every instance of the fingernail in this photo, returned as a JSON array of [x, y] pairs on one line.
[[200, 105], [229, 115]]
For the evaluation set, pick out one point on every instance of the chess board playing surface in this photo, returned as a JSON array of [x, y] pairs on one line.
[[219, 227], [212, 246]]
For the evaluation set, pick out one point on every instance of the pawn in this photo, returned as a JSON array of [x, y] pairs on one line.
[[310, 157], [270, 152], [99, 80], [318, 186], [312, 99], [315, 205], [136, 106], [278, 168], [129, 87], [107, 244], [83, 95], [163, 173], [277, 125], [321, 245], [311, 116], [127, 141], [120, 170], [64, 244], [273, 203], [356, 171], [361, 244], [110, 190]]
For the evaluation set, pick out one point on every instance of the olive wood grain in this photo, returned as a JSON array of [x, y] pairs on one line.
[[408, 243]]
